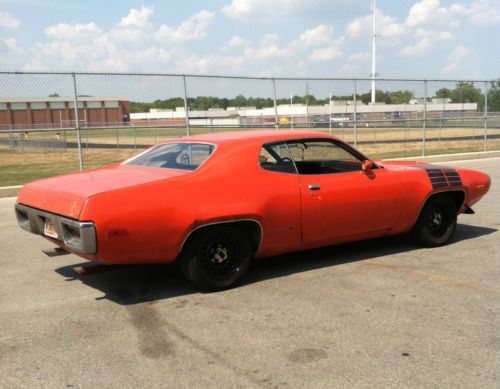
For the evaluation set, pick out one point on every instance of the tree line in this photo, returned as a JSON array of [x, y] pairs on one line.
[[463, 92]]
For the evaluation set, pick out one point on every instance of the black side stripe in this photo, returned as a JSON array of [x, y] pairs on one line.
[[442, 177]]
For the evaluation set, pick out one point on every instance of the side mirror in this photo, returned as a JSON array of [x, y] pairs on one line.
[[366, 165]]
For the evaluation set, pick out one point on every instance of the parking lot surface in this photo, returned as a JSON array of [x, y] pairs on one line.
[[381, 313]]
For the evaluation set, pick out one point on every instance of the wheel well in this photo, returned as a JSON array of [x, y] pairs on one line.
[[458, 197], [251, 229]]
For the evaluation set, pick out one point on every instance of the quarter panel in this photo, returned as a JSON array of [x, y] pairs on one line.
[[148, 223]]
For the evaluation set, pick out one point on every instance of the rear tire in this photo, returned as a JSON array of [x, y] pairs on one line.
[[216, 258], [437, 222]]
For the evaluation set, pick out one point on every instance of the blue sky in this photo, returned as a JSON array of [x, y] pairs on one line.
[[421, 39]]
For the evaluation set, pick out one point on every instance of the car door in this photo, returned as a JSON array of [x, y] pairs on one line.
[[339, 199]]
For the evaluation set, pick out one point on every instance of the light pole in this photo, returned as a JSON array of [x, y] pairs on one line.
[[374, 50]]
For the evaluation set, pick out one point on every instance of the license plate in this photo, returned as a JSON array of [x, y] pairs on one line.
[[49, 229]]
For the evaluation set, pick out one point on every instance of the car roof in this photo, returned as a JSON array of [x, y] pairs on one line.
[[260, 136]]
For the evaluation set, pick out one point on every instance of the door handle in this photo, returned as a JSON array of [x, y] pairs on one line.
[[314, 187]]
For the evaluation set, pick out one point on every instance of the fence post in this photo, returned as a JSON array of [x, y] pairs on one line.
[[186, 108], [11, 139], [154, 131], [424, 125], [77, 123], [330, 112], [486, 116], [355, 116], [276, 121]]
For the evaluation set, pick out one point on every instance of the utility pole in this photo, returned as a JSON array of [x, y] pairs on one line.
[[374, 50]]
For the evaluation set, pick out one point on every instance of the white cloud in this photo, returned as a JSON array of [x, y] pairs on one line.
[[125, 46], [137, 17], [194, 28], [272, 10], [423, 12], [427, 39], [265, 9], [128, 37], [479, 12], [362, 56], [446, 35], [387, 26], [317, 36], [456, 57], [8, 21], [237, 41], [269, 39], [11, 43], [67, 32], [267, 52], [193, 63], [418, 48], [328, 53]]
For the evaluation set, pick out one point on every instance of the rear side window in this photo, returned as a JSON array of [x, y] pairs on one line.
[[276, 158], [184, 156]]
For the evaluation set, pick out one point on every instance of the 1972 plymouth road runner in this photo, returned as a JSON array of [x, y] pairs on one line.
[[213, 202]]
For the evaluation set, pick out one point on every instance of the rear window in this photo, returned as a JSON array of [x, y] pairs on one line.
[[184, 156]]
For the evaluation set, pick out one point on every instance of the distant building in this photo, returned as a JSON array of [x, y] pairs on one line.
[[53, 112], [300, 114]]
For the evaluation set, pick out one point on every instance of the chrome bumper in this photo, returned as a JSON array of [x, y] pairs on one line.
[[78, 237]]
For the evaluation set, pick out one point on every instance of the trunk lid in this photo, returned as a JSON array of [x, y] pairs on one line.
[[66, 195]]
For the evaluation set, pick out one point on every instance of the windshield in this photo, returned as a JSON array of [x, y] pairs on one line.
[[184, 156]]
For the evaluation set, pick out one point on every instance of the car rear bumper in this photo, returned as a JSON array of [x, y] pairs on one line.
[[78, 237]]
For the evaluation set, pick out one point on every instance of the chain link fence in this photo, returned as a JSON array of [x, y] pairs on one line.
[[53, 123]]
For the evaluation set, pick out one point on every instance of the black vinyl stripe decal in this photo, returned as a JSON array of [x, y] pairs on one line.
[[442, 177]]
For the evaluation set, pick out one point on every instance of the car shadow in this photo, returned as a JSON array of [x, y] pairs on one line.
[[133, 284]]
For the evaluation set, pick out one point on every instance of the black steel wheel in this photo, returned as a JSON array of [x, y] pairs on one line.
[[216, 257], [437, 221]]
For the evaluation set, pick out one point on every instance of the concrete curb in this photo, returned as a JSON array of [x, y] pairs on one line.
[[12, 191]]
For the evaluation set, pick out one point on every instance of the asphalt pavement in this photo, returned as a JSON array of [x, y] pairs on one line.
[[376, 314]]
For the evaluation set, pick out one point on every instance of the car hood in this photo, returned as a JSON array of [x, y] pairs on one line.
[[66, 195]]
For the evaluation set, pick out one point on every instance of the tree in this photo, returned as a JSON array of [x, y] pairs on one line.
[[466, 92], [54, 95], [401, 96], [380, 97], [443, 93], [494, 96]]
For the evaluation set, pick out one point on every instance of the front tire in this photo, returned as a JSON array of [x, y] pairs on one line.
[[437, 222], [216, 258]]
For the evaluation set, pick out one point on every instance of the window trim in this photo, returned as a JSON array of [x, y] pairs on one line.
[[125, 163]]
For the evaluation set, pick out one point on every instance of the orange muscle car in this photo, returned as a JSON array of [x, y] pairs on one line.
[[213, 202]]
